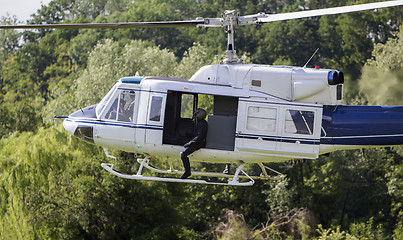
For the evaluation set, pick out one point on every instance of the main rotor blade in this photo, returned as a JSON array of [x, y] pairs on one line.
[[216, 22], [327, 11], [165, 24]]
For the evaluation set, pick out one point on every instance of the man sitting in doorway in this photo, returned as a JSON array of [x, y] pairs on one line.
[[197, 142]]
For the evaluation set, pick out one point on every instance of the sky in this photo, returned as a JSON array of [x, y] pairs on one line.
[[21, 8]]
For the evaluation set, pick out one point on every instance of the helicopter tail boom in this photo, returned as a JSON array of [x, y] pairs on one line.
[[362, 126]]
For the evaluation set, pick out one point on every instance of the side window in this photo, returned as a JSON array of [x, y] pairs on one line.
[[111, 114], [299, 122], [155, 111], [187, 101], [261, 119], [122, 108]]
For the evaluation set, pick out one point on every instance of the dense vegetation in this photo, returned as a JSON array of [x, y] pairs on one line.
[[52, 185]]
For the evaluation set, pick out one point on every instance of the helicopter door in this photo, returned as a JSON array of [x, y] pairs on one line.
[[300, 133], [257, 127], [178, 123], [116, 128], [154, 122]]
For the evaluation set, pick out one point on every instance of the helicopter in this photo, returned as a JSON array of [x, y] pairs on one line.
[[261, 113]]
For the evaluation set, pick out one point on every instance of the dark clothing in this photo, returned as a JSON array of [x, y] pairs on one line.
[[200, 133], [184, 156], [199, 141]]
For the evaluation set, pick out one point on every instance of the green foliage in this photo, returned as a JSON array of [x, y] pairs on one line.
[[395, 187], [291, 36], [348, 183], [18, 117], [52, 186], [26, 160], [398, 232], [382, 75], [193, 59], [8, 38], [330, 234], [279, 196], [367, 230]]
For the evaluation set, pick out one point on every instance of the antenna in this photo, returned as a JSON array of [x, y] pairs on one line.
[[310, 58]]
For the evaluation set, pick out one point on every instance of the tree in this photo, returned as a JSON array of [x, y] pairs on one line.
[[8, 38], [52, 186], [382, 75]]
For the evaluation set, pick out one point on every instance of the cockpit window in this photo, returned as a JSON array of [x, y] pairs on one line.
[[101, 105], [126, 106], [112, 112], [122, 108]]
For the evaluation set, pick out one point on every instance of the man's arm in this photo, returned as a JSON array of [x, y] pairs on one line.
[[201, 130]]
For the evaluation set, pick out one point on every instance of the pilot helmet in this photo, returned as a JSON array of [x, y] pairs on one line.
[[200, 114]]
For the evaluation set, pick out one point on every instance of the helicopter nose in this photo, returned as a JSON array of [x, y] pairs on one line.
[[70, 126], [83, 132]]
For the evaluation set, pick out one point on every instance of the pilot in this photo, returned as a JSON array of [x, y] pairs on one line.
[[199, 141], [130, 108], [122, 113]]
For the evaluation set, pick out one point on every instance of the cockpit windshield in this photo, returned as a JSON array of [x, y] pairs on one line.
[[122, 107], [101, 105]]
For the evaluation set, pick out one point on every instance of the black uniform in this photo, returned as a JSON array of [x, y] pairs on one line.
[[199, 141]]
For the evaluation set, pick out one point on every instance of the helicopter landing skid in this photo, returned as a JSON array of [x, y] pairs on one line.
[[263, 176], [144, 163]]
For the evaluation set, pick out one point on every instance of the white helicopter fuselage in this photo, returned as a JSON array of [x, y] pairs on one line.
[[259, 114]]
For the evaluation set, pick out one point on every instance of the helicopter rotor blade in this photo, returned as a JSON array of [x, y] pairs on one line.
[[265, 18], [164, 24], [217, 22]]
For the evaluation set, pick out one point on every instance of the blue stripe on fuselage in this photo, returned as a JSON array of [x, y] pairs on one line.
[[114, 123], [362, 125]]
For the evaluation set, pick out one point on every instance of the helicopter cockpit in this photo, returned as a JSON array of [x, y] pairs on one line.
[[122, 107], [100, 106]]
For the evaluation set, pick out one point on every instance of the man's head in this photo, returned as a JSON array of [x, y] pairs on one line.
[[131, 97], [200, 114]]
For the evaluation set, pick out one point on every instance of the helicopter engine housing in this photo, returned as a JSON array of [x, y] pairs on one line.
[[296, 84]]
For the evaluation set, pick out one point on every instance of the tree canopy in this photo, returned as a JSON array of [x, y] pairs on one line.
[[52, 185]]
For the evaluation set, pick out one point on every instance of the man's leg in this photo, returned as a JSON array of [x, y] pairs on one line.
[[185, 160]]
